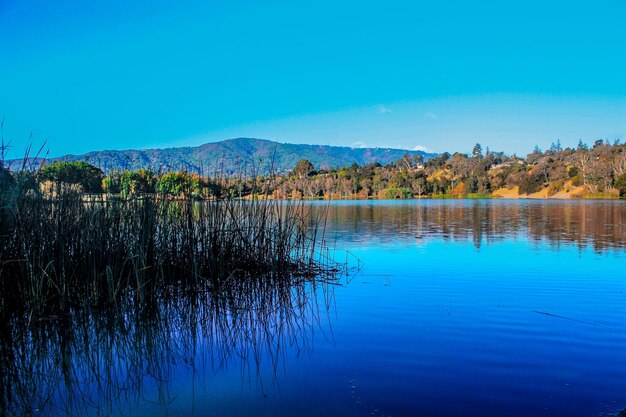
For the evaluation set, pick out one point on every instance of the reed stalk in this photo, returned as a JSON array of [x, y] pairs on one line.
[[61, 249]]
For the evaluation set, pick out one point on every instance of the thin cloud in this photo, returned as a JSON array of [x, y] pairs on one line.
[[384, 110], [431, 115]]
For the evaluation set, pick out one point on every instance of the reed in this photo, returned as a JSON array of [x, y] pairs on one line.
[[61, 248]]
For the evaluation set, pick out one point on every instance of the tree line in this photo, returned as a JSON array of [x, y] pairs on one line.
[[598, 170]]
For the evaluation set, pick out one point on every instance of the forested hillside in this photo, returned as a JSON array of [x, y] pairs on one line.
[[597, 171], [586, 171], [230, 156]]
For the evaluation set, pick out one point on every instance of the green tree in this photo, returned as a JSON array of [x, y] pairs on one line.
[[137, 182], [144, 181], [303, 168], [531, 183], [80, 173], [182, 183], [477, 152], [111, 184], [439, 161], [556, 147], [620, 184], [174, 183]]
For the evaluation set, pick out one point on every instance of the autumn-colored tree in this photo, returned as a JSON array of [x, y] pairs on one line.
[[460, 190]]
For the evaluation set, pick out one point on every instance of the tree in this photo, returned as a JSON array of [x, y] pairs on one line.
[[619, 164], [174, 184], [600, 166], [620, 184], [111, 184], [599, 142], [532, 182], [556, 147], [406, 162], [582, 160], [439, 161], [419, 185], [137, 182], [477, 152], [535, 156], [183, 184], [80, 173], [303, 168]]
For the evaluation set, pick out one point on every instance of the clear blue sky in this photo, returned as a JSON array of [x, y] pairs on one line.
[[88, 75]]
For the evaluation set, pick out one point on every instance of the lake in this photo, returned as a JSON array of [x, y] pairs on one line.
[[452, 308]]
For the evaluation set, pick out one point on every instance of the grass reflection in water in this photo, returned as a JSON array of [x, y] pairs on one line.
[[112, 360]]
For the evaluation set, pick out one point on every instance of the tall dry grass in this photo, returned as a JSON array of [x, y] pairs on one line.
[[61, 249]]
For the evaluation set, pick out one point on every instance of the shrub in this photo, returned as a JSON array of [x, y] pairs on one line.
[[394, 193], [555, 186], [620, 184], [532, 183]]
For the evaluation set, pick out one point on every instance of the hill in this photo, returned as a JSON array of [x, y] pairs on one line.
[[231, 156]]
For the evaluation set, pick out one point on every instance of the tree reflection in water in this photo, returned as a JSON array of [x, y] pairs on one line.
[[599, 225]]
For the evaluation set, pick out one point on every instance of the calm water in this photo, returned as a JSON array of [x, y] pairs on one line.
[[460, 308]]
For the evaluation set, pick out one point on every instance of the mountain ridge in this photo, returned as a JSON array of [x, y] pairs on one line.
[[231, 156]]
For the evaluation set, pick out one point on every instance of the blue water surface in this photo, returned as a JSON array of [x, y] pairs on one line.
[[458, 308]]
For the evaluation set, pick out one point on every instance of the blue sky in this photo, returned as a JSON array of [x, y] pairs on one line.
[[88, 75]]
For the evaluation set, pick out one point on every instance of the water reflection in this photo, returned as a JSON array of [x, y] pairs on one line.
[[119, 360], [597, 224], [435, 341]]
